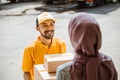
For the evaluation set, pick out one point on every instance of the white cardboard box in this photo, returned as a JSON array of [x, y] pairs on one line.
[[40, 73]]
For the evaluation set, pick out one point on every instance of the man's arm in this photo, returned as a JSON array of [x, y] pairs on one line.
[[27, 76]]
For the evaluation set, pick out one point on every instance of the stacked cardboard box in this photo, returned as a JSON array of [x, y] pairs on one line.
[[51, 62], [40, 73], [47, 70]]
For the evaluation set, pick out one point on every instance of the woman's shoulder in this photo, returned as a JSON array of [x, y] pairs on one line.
[[64, 66]]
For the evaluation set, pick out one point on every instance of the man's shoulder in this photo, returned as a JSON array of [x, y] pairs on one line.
[[31, 45], [58, 40]]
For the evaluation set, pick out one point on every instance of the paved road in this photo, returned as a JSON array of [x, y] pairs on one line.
[[16, 31]]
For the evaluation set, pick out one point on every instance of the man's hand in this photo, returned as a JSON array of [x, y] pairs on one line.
[[27, 76]]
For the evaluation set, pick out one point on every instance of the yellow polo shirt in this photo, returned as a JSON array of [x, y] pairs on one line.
[[34, 53]]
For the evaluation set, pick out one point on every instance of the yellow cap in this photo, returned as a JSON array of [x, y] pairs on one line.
[[45, 16]]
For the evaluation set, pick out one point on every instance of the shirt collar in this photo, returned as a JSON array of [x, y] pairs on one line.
[[43, 45]]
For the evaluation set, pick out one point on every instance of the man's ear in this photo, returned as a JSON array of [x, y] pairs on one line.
[[37, 28]]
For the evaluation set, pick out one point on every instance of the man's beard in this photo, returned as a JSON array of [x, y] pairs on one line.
[[48, 34]]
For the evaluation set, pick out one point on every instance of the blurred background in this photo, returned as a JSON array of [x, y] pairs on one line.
[[17, 28]]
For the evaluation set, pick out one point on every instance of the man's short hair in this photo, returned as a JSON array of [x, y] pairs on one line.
[[37, 22]]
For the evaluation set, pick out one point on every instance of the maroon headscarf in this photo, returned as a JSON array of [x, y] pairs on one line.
[[88, 63]]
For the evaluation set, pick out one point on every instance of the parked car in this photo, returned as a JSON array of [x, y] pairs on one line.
[[86, 2]]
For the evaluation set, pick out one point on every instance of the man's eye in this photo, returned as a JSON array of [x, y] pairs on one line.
[[52, 24], [45, 25]]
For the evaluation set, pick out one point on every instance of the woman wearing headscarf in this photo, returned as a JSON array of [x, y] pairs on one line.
[[88, 62]]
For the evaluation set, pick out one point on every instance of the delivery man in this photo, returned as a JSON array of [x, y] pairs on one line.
[[44, 44]]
